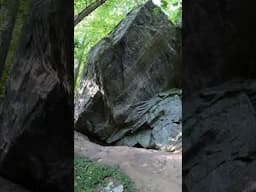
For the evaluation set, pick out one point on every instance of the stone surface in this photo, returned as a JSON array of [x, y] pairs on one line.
[[36, 119], [8, 12], [157, 120], [218, 42], [219, 133], [111, 187], [246, 181], [7, 186], [137, 60], [219, 126]]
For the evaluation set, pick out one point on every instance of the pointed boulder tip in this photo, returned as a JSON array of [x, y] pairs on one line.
[[149, 4]]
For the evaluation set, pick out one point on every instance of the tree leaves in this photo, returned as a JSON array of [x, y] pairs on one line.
[[164, 4], [172, 8]]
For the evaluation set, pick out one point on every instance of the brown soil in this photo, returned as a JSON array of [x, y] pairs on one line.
[[151, 170]]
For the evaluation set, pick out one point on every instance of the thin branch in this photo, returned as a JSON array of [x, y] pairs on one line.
[[78, 18]]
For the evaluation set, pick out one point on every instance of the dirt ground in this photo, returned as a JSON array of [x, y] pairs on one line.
[[151, 170]]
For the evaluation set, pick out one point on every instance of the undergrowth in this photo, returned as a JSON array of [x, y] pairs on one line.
[[90, 175]]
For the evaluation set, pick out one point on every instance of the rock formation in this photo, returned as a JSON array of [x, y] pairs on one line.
[[219, 122], [36, 124], [124, 73], [158, 121], [218, 43], [7, 186], [8, 12], [219, 151]]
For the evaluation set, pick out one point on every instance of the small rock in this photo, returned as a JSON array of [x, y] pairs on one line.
[[112, 188], [119, 188]]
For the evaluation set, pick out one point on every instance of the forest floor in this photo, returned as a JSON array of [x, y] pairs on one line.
[[150, 170]]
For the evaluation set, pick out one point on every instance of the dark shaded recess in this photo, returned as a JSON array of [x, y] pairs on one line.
[[10, 8], [219, 147], [8, 186], [218, 42], [219, 111], [36, 119]]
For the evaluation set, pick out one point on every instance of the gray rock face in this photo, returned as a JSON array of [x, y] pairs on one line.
[[36, 117], [154, 123], [136, 61], [222, 155]]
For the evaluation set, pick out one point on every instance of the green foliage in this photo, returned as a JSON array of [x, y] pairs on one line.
[[100, 22], [88, 175], [81, 4], [172, 8]]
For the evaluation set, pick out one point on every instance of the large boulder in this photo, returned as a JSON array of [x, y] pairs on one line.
[[36, 117], [137, 60], [219, 130]]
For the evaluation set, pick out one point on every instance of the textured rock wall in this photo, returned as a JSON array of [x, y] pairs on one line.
[[8, 186], [137, 60], [8, 12], [218, 42], [219, 148], [36, 124]]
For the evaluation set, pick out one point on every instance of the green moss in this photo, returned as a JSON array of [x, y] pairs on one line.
[[157, 11], [89, 175], [22, 13]]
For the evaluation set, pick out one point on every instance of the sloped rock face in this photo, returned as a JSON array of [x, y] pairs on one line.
[[220, 131], [36, 120], [137, 60]]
